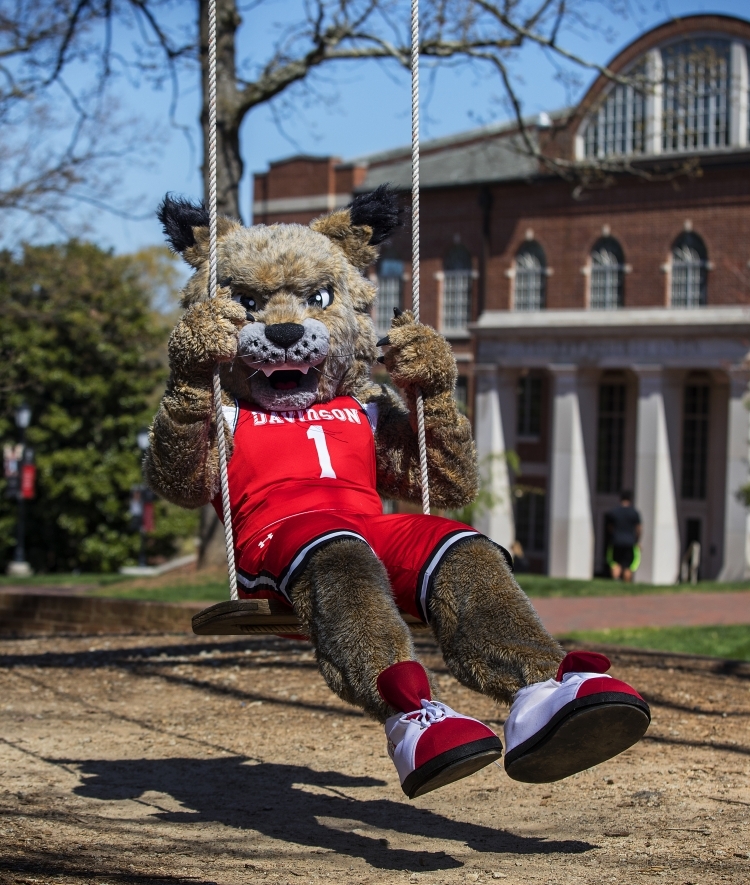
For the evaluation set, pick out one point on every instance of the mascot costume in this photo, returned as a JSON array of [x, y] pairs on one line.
[[313, 443]]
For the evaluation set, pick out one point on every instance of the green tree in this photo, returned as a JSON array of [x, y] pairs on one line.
[[79, 342]]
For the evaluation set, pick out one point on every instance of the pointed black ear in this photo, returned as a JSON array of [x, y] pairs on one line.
[[379, 210], [178, 217]]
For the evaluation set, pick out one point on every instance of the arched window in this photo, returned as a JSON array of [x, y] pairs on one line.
[[390, 284], [689, 266], [530, 277], [696, 99], [618, 125], [607, 274], [678, 99], [457, 280]]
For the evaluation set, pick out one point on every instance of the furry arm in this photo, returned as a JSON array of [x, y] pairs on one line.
[[419, 357], [182, 463]]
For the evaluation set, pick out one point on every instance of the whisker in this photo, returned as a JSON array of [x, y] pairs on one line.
[[323, 374], [255, 371]]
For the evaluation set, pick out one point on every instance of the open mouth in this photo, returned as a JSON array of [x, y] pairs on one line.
[[286, 379]]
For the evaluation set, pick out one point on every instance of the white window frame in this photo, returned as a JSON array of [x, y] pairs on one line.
[[695, 272], [524, 275], [606, 278], [389, 286], [455, 302], [696, 101], [608, 116], [618, 127]]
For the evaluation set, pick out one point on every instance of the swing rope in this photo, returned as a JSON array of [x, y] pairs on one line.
[[212, 278], [213, 274], [421, 440]]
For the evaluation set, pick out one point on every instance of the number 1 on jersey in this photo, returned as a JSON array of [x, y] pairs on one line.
[[316, 433]]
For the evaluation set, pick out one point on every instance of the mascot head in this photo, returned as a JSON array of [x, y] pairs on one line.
[[309, 336]]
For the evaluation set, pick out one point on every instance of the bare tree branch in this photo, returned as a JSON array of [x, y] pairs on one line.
[[45, 37]]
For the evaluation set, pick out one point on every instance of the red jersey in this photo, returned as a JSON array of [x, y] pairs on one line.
[[289, 463]]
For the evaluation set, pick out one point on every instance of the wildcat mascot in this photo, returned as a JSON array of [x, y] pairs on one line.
[[313, 443]]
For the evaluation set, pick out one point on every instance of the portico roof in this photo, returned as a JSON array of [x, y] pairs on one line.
[[731, 318], [704, 337]]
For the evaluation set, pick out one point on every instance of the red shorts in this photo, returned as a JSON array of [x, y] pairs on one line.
[[410, 546]]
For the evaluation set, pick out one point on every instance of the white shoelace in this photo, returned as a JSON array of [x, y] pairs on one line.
[[430, 712]]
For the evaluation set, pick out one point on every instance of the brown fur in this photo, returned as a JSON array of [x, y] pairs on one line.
[[491, 638], [350, 660], [275, 264]]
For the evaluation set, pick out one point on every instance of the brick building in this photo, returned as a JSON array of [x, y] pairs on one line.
[[602, 333]]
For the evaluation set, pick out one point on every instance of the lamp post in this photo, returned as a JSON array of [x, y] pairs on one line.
[[19, 567], [145, 499]]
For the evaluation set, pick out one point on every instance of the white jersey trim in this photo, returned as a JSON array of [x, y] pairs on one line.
[[231, 416], [372, 412]]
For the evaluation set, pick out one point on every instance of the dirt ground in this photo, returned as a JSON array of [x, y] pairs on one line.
[[171, 759]]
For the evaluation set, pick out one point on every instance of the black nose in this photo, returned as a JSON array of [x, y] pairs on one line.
[[284, 334]]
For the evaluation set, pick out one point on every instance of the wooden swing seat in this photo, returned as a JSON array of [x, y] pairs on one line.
[[245, 617]]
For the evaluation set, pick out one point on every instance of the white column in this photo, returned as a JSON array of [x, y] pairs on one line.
[[738, 95], [571, 535], [654, 483], [494, 411], [654, 101], [735, 566]]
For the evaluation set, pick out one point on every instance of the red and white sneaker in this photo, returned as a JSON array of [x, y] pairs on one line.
[[567, 724], [430, 744]]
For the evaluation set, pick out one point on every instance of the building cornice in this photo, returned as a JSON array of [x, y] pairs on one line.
[[315, 203], [652, 321]]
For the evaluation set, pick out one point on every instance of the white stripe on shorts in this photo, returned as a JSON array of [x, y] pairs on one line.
[[305, 552], [434, 562]]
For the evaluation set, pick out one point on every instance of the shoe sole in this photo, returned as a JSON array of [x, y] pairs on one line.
[[582, 734], [452, 766]]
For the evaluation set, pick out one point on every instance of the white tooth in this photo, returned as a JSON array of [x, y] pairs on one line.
[[284, 367]]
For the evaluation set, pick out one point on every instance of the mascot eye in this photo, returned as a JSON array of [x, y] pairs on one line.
[[247, 301], [322, 298]]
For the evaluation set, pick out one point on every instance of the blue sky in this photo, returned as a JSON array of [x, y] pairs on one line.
[[369, 110]]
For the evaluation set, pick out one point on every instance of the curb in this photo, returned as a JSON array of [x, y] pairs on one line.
[[47, 614]]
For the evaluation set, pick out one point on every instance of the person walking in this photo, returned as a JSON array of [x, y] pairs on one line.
[[623, 535]]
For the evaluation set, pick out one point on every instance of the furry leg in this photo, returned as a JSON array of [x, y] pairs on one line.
[[345, 604], [491, 638]]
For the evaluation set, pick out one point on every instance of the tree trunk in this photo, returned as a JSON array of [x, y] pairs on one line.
[[229, 164], [228, 175]]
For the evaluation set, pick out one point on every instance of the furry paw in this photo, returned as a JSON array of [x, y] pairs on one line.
[[207, 334], [419, 357]]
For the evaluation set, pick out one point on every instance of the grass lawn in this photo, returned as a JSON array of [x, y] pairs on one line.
[[208, 591], [212, 585], [541, 586], [719, 642], [182, 585], [63, 579]]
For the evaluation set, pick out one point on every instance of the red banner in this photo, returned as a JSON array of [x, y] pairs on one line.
[[28, 481]]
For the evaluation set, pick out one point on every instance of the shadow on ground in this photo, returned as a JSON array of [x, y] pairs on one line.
[[293, 803]]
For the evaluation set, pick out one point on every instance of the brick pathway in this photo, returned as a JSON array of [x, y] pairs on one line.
[[658, 610], [63, 609]]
